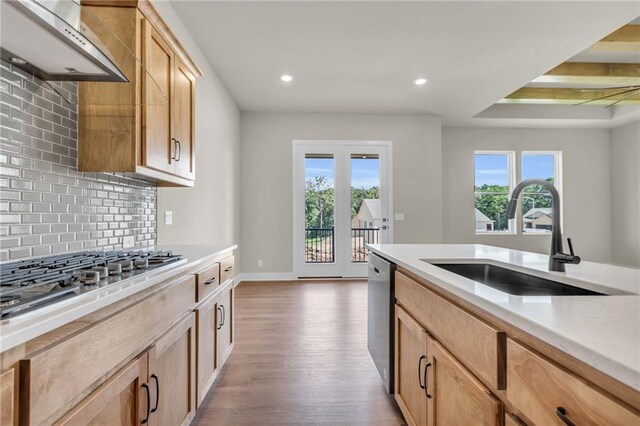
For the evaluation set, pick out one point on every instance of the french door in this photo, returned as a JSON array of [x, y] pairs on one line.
[[342, 201]]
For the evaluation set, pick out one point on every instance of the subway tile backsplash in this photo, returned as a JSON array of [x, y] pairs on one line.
[[46, 205]]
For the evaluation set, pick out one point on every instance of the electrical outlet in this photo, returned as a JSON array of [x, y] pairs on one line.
[[168, 218], [260, 263], [127, 242], [399, 216]]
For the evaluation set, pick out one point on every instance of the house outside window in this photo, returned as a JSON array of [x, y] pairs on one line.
[[537, 215]]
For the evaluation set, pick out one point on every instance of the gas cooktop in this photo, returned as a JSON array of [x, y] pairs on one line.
[[30, 284]]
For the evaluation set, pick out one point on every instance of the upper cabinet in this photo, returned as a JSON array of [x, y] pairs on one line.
[[144, 126]]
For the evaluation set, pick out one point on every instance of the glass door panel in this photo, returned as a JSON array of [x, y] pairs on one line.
[[366, 208], [319, 208]]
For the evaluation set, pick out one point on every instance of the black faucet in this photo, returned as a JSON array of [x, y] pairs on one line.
[[557, 258]]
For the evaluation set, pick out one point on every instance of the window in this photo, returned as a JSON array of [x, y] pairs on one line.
[[494, 181], [536, 201], [494, 175]]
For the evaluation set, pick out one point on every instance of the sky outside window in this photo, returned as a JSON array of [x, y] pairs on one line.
[[365, 173]]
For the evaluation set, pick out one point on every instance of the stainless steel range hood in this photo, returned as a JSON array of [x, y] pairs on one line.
[[47, 39]]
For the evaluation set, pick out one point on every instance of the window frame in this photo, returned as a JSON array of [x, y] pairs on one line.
[[557, 183], [511, 179]]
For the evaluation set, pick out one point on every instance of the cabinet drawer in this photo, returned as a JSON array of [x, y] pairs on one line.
[[478, 345], [60, 376], [207, 280], [227, 268], [540, 390]]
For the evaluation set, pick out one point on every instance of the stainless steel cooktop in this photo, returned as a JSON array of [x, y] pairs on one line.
[[30, 284]]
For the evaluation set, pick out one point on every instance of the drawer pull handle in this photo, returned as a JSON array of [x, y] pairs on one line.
[[155, 377], [426, 384], [220, 324], [211, 281], [228, 268], [562, 413], [420, 371], [146, 419]]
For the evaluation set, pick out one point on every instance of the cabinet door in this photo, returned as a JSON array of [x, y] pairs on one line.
[[157, 94], [207, 320], [410, 368], [172, 375], [123, 399], [184, 120], [7, 397], [225, 328], [458, 398]]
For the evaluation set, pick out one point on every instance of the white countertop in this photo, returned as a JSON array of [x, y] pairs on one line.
[[27, 326], [602, 331]]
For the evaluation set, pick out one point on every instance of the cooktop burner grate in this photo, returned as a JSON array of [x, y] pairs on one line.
[[28, 284]]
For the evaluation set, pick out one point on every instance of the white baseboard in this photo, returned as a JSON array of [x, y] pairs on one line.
[[266, 276]]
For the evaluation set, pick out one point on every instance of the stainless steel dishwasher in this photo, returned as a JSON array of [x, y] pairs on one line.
[[380, 317]]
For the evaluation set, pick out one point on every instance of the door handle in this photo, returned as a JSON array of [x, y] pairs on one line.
[[224, 315], [175, 148], [420, 371], [220, 324], [146, 387], [179, 150], [155, 377], [426, 384]]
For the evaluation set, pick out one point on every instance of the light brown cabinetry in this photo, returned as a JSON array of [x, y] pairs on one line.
[[225, 327], [410, 368], [207, 281], [146, 125], [7, 397], [208, 362], [457, 397], [123, 399], [172, 361], [545, 393]]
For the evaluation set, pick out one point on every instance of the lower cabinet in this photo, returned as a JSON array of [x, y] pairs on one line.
[[410, 368], [225, 327], [458, 397], [157, 388], [432, 386], [207, 320], [172, 375], [124, 399], [7, 397]]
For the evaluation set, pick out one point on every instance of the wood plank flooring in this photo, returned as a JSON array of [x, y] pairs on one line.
[[300, 358]]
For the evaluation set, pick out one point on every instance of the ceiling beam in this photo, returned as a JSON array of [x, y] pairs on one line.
[[539, 95], [626, 38], [592, 73]]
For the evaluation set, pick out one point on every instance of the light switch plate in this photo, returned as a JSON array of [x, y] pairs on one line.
[[168, 218], [399, 216], [128, 242]]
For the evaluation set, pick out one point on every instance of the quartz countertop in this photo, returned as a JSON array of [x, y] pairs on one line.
[[602, 331], [29, 325]]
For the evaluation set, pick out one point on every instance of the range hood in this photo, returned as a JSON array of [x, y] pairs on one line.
[[47, 39]]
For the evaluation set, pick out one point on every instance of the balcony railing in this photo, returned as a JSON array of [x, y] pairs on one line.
[[320, 244], [360, 237]]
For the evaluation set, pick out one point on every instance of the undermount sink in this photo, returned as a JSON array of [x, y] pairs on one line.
[[514, 282]]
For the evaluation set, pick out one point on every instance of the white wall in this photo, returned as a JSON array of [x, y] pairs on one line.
[[625, 194], [208, 212], [586, 164], [266, 177]]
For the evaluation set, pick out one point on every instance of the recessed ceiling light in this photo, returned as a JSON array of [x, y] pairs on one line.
[[420, 81], [286, 78]]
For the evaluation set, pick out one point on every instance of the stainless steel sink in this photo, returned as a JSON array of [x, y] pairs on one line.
[[514, 282]]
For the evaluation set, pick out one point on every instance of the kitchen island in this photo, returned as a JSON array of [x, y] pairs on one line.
[[584, 345]]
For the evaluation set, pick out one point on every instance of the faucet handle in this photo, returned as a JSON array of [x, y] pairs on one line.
[[570, 247], [568, 258]]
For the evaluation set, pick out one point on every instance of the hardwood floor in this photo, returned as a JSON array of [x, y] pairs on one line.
[[300, 358]]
